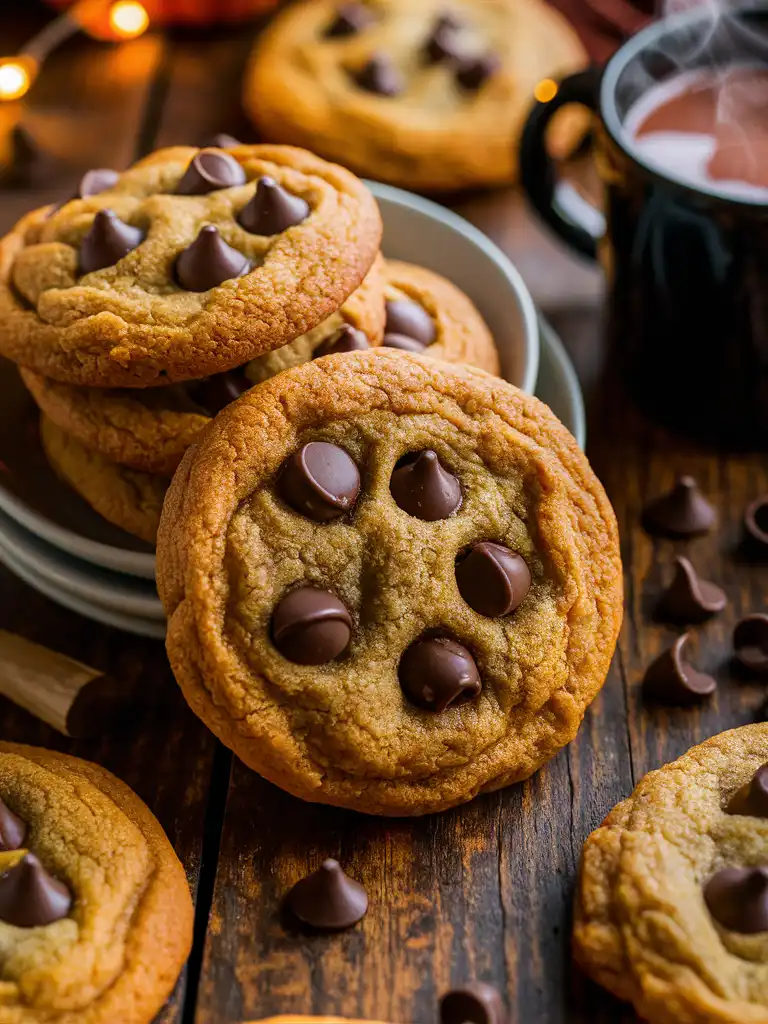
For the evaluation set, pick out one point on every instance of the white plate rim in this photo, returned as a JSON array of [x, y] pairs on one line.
[[562, 363]]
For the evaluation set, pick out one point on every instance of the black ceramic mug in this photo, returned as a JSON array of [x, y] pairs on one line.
[[687, 267]]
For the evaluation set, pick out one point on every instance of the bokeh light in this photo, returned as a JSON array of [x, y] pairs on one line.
[[15, 78], [128, 19], [546, 90]]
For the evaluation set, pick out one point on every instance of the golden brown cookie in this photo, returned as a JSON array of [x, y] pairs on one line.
[[126, 497], [413, 93], [138, 285], [391, 583], [672, 903], [102, 917]]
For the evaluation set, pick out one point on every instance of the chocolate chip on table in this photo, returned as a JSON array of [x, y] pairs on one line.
[[346, 339], [13, 830], [218, 391], [670, 679], [756, 525], [492, 579], [328, 899], [311, 626], [350, 19], [436, 672], [473, 72], [476, 1003], [424, 488], [94, 182], [30, 896], [380, 76], [272, 209], [107, 241], [752, 798], [208, 262], [737, 898], [750, 643], [208, 171], [402, 342], [222, 141], [320, 481], [688, 598], [411, 319], [683, 512]]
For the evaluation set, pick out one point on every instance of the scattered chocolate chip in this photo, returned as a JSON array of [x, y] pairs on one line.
[[750, 643], [689, 598], [424, 488], [437, 672], [107, 241], [682, 512], [671, 680], [320, 481], [492, 579], [94, 182], [328, 899], [737, 898], [443, 43], [756, 525], [222, 141], [208, 171], [272, 209], [346, 339], [218, 391], [473, 72], [752, 798], [30, 896], [208, 262], [379, 75], [13, 830], [349, 20], [411, 319], [476, 1003], [311, 626], [402, 342]]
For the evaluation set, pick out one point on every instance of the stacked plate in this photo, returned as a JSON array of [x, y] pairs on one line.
[[56, 543]]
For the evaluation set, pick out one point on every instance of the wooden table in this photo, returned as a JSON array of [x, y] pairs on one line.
[[481, 892]]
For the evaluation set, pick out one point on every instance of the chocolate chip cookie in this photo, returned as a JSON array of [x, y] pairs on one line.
[[392, 583], [190, 263], [425, 95], [95, 911], [672, 903]]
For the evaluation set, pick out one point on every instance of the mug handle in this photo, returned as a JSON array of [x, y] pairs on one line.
[[566, 211]]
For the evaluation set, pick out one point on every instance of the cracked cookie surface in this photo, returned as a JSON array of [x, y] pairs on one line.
[[234, 544]]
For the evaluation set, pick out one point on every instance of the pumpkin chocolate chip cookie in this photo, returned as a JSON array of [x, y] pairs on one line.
[[425, 95], [95, 911], [391, 583], [672, 903], [190, 263]]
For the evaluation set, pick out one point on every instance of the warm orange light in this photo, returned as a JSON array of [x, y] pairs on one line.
[[128, 19], [546, 90], [15, 78]]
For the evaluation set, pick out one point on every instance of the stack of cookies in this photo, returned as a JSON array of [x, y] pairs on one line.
[[151, 300]]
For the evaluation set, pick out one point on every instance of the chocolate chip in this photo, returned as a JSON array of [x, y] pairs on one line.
[[476, 1003], [30, 896], [222, 141], [411, 319], [328, 899], [13, 830], [437, 672], [208, 262], [218, 391], [208, 171], [311, 626], [402, 342], [752, 798], [689, 598], [492, 579], [750, 643], [443, 43], [349, 20], [320, 481], [473, 72], [737, 898], [682, 512], [107, 241], [379, 75], [346, 339], [756, 526], [94, 182], [671, 680], [272, 209], [424, 488]]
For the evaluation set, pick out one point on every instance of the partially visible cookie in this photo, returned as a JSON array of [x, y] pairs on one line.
[[96, 919], [672, 902], [125, 497]]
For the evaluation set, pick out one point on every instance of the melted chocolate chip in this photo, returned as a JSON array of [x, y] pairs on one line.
[[94, 182], [476, 1003], [752, 798], [273, 209], [346, 339], [349, 20], [689, 598], [311, 626], [402, 342], [380, 76], [473, 72], [218, 391], [13, 830], [737, 898], [443, 43], [222, 141], [108, 241], [671, 680], [30, 896], [682, 512], [750, 643], [208, 171], [320, 481], [411, 319], [756, 526], [424, 488], [328, 899], [208, 262], [437, 672], [492, 579]]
